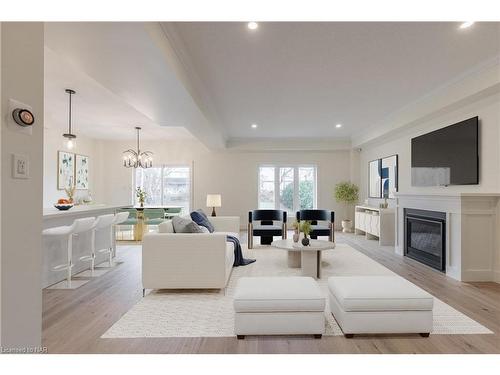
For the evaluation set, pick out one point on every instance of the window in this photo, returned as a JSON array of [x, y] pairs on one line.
[[289, 188], [165, 186], [266, 187]]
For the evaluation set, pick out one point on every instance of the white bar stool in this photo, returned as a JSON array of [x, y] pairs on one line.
[[120, 217], [78, 226], [101, 223]]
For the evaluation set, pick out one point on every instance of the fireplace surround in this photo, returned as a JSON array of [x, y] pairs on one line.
[[472, 238], [425, 237]]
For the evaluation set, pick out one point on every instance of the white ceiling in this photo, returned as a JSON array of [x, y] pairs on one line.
[[212, 80], [123, 78], [300, 79], [96, 111]]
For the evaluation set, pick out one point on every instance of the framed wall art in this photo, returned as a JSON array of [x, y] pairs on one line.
[[81, 172], [65, 169]]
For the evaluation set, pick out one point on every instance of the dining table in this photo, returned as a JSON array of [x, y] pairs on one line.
[[140, 226]]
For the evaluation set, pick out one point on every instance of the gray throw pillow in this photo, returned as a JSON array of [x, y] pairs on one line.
[[183, 225]]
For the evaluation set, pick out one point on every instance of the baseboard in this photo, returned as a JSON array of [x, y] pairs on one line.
[[496, 276], [478, 275]]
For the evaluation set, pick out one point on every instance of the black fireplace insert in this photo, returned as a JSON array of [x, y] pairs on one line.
[[425, 237]]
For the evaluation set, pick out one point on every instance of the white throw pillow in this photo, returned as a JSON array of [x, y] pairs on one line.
[[166, 227]]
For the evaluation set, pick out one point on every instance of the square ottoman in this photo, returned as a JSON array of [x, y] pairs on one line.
[[379, 304], [278, 306]]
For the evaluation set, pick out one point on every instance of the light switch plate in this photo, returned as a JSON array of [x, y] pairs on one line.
[[20, 166]]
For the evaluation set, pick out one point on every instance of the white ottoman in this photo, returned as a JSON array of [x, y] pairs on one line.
[[379, 304], [278, 306]]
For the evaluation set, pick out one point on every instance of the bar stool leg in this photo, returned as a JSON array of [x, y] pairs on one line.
[[92, 246], [70, 259], [111, 242]]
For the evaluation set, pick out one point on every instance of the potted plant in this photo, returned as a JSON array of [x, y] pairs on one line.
[[305, 227], [348, 194], [141, 196], [296, 230]]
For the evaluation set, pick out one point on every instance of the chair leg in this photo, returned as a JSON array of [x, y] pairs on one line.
[[250, 236]]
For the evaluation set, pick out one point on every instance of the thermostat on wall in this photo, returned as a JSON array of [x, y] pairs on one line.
[[20, 117]]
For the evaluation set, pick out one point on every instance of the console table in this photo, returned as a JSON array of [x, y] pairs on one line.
[[376, 224]]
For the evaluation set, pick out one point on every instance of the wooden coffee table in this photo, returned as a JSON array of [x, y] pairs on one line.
[[307, 257]]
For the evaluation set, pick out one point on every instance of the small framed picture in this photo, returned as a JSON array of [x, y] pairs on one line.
[[65, 170], [82, 172]]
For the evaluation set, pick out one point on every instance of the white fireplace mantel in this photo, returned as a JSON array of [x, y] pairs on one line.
[[472, 238]]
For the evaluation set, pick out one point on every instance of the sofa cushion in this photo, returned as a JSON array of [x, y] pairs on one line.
[[378, 293], [200, 218], [273, 294], [183, 225], [166, 227]]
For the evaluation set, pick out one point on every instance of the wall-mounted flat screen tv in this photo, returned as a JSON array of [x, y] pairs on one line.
[[448, 156]]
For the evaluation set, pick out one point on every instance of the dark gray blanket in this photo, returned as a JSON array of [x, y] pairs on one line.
[[238, 254]]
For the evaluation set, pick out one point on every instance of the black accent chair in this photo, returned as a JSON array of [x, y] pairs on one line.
[[265, 228], [319, 229]]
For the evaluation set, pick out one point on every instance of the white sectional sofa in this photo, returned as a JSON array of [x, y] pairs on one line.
[[189, 260]]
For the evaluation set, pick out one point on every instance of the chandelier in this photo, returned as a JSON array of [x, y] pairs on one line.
[[137, 159]]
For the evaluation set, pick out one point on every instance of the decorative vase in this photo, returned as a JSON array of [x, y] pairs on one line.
[[346, 226], [305, 241], [142, 203], [296, 236]]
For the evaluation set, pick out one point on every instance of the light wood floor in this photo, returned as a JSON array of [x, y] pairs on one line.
[[73, 321]]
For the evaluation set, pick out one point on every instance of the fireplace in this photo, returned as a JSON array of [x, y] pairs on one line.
[[425, 237]]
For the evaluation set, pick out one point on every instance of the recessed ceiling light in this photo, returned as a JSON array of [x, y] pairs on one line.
[[254, 126], [338, 126], [252, 25], [466, 25]]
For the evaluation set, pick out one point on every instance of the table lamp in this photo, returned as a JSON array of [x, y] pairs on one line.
[[213, 200]]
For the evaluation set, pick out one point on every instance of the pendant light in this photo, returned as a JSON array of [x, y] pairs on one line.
[[69, 138], [137, 158]]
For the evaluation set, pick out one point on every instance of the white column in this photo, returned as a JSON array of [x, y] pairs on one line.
[[22, 70]]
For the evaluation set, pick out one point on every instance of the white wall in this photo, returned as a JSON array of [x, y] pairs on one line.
[[21, 200], [489, 175], [232, 174], [53, 142], [488, 110]]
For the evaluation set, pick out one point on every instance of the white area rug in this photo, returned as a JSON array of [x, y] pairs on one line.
[[210, 313]]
